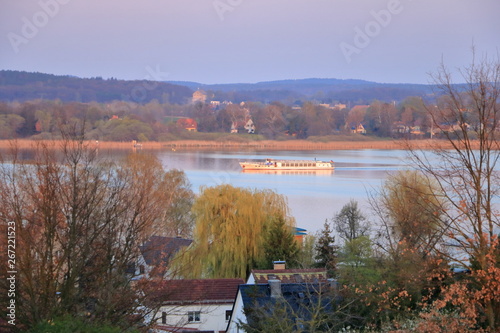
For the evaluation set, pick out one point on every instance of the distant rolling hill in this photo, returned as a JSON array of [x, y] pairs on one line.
[[323, 90], [22, 86]]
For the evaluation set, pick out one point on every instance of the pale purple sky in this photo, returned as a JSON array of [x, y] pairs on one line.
[[227, 41]]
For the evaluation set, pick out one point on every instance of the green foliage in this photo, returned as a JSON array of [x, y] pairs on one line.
[[69, 324], [279, 244], [326, 250], [357, 262], [307, 252], [127, 130], [9, 124], [357, 251]]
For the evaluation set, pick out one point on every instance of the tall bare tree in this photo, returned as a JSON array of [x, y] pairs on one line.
[[466, 171], [79, 222], [350, 223], [411, 214]]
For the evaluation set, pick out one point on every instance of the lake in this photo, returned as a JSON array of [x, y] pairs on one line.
[[312, 196]]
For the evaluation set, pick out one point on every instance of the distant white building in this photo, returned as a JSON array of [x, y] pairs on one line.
[[247, 125]]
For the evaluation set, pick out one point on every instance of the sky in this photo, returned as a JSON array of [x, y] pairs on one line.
[[246, 41]]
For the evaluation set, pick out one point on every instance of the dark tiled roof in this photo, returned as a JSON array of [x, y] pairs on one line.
[[197, 290], [159, 249], [290, 275], [299, 298]]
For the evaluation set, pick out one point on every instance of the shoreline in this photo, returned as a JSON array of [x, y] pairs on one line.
[[245, 146]]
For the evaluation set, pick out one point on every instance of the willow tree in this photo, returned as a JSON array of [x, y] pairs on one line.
[[231, 225]]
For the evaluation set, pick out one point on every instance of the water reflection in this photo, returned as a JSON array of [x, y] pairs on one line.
[[291, 172]]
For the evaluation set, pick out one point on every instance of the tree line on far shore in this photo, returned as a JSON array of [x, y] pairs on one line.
[[154, 121]]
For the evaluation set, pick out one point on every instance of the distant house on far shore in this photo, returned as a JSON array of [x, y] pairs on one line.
[[243, 126], [359, 129], [187, 124]]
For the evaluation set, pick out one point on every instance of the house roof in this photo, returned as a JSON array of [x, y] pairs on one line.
[[187, 123], [360, 107], [290, 275], [159, 249], [197, 291], [258, 300], [300, 231]]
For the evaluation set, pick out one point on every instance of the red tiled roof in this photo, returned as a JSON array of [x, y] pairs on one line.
[[197, 290], [187, 123], [360, 107], [290, 275]]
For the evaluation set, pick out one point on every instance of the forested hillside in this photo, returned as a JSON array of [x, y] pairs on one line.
[[23, 86], [321, 90]]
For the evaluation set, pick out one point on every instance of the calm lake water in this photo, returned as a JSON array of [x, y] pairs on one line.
[[312, 196]]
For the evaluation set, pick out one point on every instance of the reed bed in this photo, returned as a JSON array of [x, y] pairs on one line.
[[233, 145]]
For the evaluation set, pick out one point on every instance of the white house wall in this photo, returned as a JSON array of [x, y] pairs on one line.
[[238, 315], [212, 318]]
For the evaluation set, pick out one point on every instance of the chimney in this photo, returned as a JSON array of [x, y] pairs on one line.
[[275, 286], [279, 264], [334, 285]]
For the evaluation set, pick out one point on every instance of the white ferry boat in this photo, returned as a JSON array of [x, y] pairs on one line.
[[270, 164]]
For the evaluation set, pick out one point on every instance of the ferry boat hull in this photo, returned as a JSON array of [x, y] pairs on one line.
[[269, 165]]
